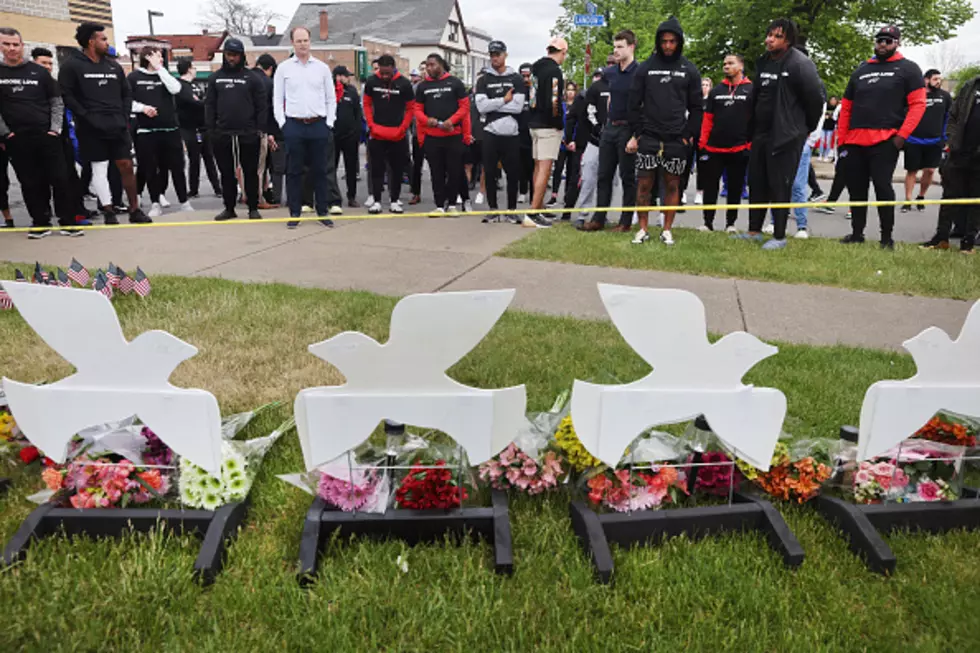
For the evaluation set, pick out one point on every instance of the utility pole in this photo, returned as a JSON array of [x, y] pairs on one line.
[[150, 14]]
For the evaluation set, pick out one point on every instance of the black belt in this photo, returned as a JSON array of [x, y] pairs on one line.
[[309, 121]]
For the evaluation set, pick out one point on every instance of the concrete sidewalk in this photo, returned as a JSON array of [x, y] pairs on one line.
[[398, 257]]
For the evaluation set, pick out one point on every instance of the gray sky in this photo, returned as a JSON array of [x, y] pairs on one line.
[[523, 24]]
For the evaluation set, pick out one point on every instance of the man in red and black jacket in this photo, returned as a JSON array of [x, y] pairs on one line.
[[725, 141], [389, 106], [442, 120], [882, 106]]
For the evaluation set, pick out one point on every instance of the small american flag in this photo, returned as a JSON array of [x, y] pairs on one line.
[[112, 275], [141, 283], [53, 278], [126, 283], [19, 276], [63, 279], [5, 302], [102, 285], [40, 276], [78, 273]]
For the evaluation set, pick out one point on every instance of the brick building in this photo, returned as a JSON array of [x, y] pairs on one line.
[[52, 23]]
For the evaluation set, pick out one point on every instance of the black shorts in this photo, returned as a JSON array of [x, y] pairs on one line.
[[922, 157], [672, 155], [98, 147]]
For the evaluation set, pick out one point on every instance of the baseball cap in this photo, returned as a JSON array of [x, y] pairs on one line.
[[496, 46], [234, 45], [415, 73], [524, 66], [890, 30], [558, 43], [341, 70]]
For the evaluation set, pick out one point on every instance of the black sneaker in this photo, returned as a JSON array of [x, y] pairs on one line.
[[253, 214], [935, 243], [327, 222], [551, 202], [71, 233], [38, 234], [906, 208], [919, 207], [110, 218], [138, 217], [491, 217], [292, 224], [226, 214], [888, 243], [851, 239], [540, 219], [9, 224]]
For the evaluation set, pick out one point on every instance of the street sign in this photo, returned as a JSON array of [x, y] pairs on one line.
[[589, 20], [590, 8]]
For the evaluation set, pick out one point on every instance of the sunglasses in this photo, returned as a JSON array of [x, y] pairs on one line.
[[884, 40]]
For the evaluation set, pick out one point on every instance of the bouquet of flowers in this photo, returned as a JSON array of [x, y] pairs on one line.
[[796, 472], [357, 481], [916, 470], [646, 478], [950, 428], [578, 458], [514, 469], [430, 485]]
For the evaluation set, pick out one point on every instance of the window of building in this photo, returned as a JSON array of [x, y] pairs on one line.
[[454, 31]]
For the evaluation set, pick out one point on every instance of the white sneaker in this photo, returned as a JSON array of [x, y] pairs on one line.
[[660, 220], [522, 199], [396, 207], [375, 208], [156, 210], [479, 199], [308, 209], [641, 237], [768, 229], [186, 207], [531, 223], [370, 201], [699, 198], [731, 230], [336, 210], [437, 213], [452, 211], [704, 227], [802, 234], [666, 238], [459, 199], [684, 199], [164, 203]]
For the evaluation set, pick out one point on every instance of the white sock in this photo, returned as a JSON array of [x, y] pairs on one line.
[[100, 182]]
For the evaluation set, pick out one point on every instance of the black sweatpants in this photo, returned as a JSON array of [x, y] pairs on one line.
[[507, 151], [196, 151], [526, 159], [771, 177], [711, 166], [961, 179], [39, 162], [866, 165], [75, 190], [418, 158], [160, 153], [387, 155], [839, 183], [570, 164], [230, 152], [346, 146], [612, 153], [445, 157], [4, 181]]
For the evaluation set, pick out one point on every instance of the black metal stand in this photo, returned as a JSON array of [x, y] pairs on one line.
[[4, 485], [215, 526], [596, 531], [411, 526]]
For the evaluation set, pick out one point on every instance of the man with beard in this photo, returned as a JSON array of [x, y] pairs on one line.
[[924, 149], [665, 114], [389, 106]]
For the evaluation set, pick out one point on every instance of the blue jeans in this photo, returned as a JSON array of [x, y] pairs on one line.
[[306, 145], [801, 186], [827, 146]]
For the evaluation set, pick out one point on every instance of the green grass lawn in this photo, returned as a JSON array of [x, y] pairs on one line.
[[818, 261], [724, 594]]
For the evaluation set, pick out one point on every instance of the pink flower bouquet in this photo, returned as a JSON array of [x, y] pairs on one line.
[[917, 470], [514, 469]]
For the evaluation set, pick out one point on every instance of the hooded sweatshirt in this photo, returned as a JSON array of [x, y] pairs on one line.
[[97, 94], [665, 99], [155, 89], [389, 107], [593, 114], [348, 123], [29, 100], [500, 118], [236, 103], [546, 95], [446, 100], [727, 113], [883, 99], [190, 109]]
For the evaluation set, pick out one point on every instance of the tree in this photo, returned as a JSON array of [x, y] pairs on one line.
[[237, 17], [838, 33]]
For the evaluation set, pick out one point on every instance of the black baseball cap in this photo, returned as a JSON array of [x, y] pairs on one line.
[[234, 45], [341, 70], [497, 46], [524, 66], [890, 30]]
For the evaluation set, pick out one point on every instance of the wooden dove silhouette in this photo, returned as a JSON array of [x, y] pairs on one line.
[[114, 379], [690, 376], [405, 380], [947, 378]]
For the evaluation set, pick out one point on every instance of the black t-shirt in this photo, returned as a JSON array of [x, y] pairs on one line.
[[25, 97], [971, 134], [765, 105]]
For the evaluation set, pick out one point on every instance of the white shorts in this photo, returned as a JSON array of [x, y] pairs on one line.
[[546, 143]]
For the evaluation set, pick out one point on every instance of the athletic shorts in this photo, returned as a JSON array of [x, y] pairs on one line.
[[672, 155], [96, 148], [546, 144], [922, 157]]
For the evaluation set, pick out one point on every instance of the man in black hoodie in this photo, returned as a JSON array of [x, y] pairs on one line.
[[665, 110], [97, 93], [190, 116], [787, 106], [546, 123], [236, 110], [347, 131]]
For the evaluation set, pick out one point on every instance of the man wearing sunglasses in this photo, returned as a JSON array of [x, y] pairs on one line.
[[882, 106]]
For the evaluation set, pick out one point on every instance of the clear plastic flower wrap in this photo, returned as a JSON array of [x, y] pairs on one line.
[[712, 465], [799, 469], [430, 473], [356, 481], [915, 470]]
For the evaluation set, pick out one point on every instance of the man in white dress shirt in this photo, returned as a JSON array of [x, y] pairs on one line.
[[305, 104]]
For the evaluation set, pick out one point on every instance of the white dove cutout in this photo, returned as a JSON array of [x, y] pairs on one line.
[[405, 380], [947, 378], [114, 379], [690, 376]]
